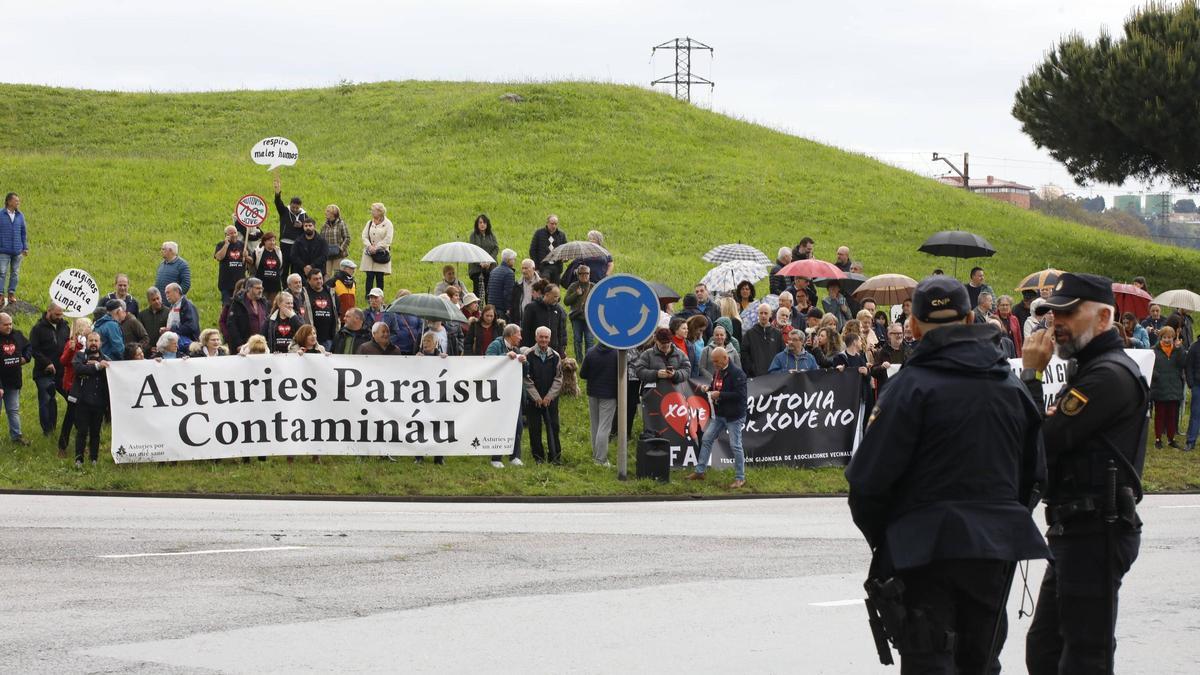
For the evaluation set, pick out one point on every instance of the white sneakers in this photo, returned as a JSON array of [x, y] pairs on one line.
[[516, 461], [497, 464]]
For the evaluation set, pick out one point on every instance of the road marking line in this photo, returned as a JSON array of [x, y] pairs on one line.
[[1182, 506], [837, 603], [224, 550]]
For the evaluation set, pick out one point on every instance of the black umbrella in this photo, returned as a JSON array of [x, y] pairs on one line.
[[957, 244], [850, 284], [664, 292]]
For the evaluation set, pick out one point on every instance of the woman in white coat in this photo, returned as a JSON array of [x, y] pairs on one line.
[[376, 237]]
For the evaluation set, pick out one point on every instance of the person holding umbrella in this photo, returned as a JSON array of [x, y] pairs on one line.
[[576, 299], [835, 303], [976, 286]]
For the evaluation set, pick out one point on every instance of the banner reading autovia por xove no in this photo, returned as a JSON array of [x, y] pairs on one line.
[[287, 404], [807, 419]]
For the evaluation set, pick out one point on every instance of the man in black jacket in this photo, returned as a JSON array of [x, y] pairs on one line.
[[599, 369], [321, 306], [727, 395], [941, 486], [760, 344], [546, 311], [353, 333], [544, 241], [47, 338], [248, 315], [289, 220], [1097, 433], [310, 250], [776, 283]]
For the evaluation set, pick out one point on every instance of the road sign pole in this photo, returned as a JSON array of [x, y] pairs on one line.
[[622, 414]]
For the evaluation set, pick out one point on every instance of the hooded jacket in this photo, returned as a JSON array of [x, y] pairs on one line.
[[951, 456]]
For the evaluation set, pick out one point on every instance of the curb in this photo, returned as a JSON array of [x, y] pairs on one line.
[[467, 499]]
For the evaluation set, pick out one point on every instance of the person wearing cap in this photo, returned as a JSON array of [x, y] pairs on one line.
[[1095, 432], [576, 299], [109, 328], [727, 395], [289, 219], [941, 484], [470, 306], [343, 287], [377, 313]]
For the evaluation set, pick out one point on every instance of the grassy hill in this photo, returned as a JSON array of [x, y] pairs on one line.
[[106, 177]]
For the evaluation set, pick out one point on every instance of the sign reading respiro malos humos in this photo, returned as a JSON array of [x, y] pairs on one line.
[[287, 404]]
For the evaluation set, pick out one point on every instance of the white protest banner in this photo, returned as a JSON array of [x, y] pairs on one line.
[[288, 404], [1055, 375], [76, 292], [275, 152], [251, 211]]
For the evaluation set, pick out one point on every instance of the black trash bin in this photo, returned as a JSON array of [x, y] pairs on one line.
[[654, 458]]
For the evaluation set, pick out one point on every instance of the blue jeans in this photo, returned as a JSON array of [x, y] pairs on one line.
[[9, 262], [1194, 415], [12, 406], [47, 395], [583, 338], [715, 426]]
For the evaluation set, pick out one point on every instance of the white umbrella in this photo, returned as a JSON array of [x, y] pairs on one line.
[[726, 276], [458, 252], [1179, 299]]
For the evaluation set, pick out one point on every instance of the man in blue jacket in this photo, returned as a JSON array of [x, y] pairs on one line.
[[795, 358], [727, 394], [112, 345], [501, 282], [14, 246]]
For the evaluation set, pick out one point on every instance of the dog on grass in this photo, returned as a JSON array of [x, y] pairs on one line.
[[570, 383]]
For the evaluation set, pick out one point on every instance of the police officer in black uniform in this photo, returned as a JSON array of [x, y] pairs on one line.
[[1095, 440], [942, 483]]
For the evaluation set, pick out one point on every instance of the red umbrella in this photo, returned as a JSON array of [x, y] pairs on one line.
[[1130, 298], [811, 268]]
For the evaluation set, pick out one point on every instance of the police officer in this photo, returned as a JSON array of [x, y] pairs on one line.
[[1095, 439], [942, 482]]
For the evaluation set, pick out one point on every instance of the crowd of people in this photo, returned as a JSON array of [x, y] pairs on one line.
[[297, 291]]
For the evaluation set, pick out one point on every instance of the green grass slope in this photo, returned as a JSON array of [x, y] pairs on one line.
[[106, 177]]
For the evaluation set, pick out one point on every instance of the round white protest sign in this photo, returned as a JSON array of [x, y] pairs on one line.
[[76, 292], [251, 211], [274, 152]]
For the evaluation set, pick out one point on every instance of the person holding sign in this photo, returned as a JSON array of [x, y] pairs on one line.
[[1095, 446], [230, 255], [289, 219], [941, 488]]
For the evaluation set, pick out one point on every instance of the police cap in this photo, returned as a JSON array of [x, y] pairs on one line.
[[1073, 289], [940, 299]]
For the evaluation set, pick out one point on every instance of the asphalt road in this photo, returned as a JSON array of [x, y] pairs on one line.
[[128, 585]]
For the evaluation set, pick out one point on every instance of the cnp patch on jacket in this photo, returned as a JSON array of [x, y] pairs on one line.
[[1072, 402]]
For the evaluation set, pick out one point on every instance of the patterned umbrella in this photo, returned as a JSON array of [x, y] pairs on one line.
[[725, 277], [458, 252], [728, 252], [811, 268], [749, 316], [577, 249], [1179, 299], [1039, 280], [429, 307], [887, 289]]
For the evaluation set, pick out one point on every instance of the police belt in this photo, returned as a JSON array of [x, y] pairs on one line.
[[1063, 512]]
